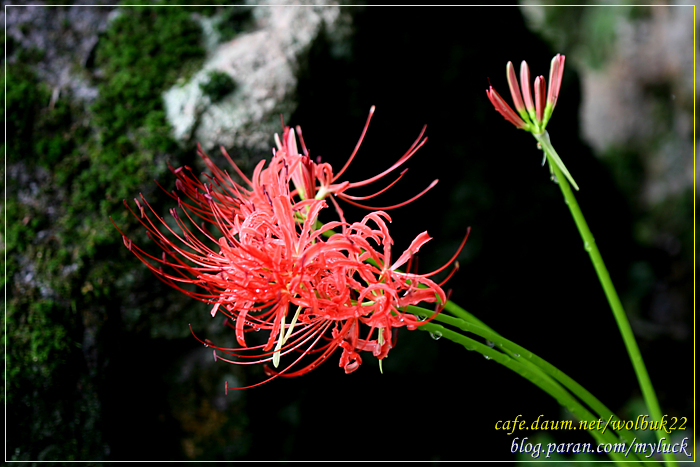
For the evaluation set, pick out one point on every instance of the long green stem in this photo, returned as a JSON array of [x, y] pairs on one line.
[[535, 376], [618, 312], [460, 312], [524, 355]]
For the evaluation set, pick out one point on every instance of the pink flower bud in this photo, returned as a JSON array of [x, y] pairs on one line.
[[540, 89]]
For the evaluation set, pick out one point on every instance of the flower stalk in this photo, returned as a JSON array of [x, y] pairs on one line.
[[530, 367], [618, 311], [534, 116]]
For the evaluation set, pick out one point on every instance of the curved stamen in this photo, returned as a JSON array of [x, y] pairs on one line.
[[386, 208], [454, 257], [360, 198], [357, 146], [411, 151]]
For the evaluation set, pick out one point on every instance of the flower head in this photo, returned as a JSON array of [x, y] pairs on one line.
[[260, 257], [533, 111]]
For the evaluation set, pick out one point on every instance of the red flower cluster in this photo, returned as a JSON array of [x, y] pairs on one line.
[[273, 266]]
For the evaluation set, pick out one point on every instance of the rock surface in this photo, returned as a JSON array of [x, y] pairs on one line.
[[262, 63], [66, 36]]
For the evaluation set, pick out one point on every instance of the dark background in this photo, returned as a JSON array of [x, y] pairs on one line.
[[144, 394]]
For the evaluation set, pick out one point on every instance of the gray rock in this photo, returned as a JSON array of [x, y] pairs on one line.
[[66, 36], [263, 63]]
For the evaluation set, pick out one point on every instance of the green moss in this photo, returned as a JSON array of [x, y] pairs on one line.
[[47, 337], [141, 54], [69, 258], [220, 84], [23, 100]]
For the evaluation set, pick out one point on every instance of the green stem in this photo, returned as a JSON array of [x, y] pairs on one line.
[[460, 312], [618, 312], [532, 374], [522, 354]]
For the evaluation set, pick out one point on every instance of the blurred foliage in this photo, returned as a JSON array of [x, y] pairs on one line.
[[586, 33]]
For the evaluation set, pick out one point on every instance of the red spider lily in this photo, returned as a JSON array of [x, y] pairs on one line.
[[273, 267], [269, 267], [346, 282], [533, 115]]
